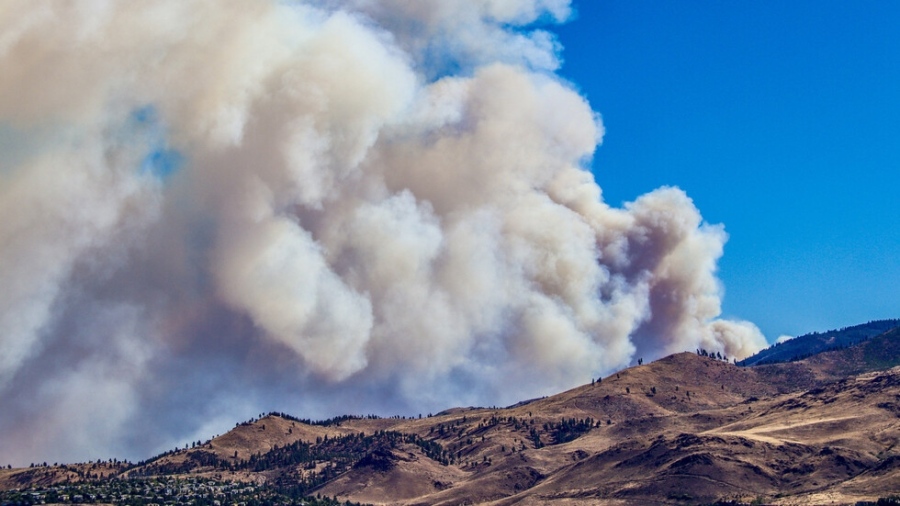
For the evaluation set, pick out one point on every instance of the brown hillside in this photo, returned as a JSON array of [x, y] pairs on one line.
[[733, 437], [683, 430]]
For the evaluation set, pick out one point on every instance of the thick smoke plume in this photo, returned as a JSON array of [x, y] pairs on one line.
[[212, 209]]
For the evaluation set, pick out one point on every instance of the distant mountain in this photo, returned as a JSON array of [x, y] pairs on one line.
[[686, 429], [873, 354], [810, 344]]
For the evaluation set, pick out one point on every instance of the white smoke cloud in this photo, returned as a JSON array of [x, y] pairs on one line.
[[783, 338], [213, 209]]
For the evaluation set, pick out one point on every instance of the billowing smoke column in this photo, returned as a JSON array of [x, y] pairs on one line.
[[213, 209]]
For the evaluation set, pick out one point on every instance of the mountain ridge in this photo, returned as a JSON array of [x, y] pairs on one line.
[[812, 343], [685, 429]]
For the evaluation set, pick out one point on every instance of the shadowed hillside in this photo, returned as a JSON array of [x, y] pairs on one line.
[[816, 342], [874, 354]]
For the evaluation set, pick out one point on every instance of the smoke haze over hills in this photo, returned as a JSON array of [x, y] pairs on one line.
[[213, 209]]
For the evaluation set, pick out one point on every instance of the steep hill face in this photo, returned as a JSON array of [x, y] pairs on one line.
[[810, 344], [683, 430]]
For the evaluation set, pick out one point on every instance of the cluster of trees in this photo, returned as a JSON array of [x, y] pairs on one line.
[[317, 462], [535, 438], [558, 432], [330, 457], [146, 492], [717, 355], [335, 421], [563, 431], [569, 429], [87, 471]]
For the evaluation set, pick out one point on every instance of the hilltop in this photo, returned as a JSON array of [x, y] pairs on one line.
[[686, 429]]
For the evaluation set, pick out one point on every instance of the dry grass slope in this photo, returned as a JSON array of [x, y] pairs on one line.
[[683, 430]]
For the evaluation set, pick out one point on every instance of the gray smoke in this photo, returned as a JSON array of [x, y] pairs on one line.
[[212, 209]]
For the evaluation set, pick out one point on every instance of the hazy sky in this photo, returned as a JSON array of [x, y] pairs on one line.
[[780, 120]]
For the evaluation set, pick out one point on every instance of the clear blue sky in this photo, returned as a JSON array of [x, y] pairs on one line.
[[781, 119]]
